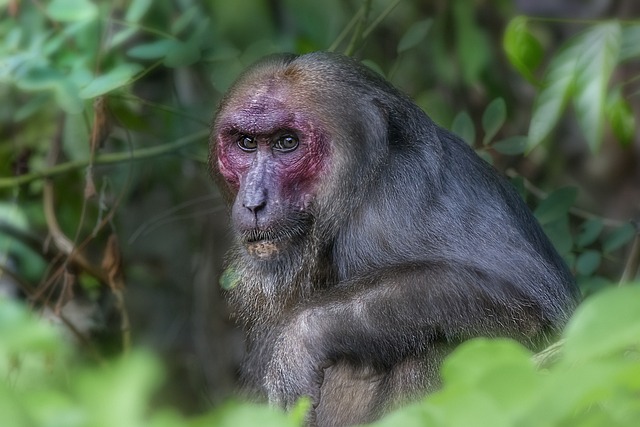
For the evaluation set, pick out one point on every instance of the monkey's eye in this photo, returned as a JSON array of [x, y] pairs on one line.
[[247, 143], [286, 143]]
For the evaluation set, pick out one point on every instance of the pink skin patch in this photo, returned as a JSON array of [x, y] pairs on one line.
[[265, 117]]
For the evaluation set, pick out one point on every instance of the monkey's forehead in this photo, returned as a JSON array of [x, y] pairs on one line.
[[264, 108]]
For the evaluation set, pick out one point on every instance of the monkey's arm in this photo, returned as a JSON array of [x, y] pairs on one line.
[[382, 319]]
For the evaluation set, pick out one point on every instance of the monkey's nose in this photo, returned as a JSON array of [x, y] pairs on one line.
[[255, 207], [255, 201]]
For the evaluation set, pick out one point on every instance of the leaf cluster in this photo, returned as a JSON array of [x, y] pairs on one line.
[[580, 71], [595, 381]]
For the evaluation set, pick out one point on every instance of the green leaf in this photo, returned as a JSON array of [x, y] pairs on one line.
[[600, 47], [511, 146], [45, 78], [472, 45], [414, 35], [621, 117], [229, 279], [233, 414], [493, 118], [556, 205], [117, 77], [471, 362], [559, 232], [552, 98], [463, 127], [118, 394], [39, 78], [620, 237], [66, 94], [122, 36], [523, 49], [604, 324], [185, 20], [588, 262], [589, 232], [72, 10]]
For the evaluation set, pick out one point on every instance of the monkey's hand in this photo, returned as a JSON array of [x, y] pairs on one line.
[[297, 367]]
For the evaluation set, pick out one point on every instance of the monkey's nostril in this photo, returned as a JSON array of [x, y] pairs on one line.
[[255, 207]]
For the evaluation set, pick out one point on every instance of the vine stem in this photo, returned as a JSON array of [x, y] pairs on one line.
[[105, 159]]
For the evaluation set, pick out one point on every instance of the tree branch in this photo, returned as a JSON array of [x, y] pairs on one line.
[[105, 159]]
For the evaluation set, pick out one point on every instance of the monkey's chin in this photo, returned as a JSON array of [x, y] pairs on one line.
[[263, 249]]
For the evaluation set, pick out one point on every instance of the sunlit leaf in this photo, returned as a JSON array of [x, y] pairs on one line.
[[493, 118], [556, 205], [487, 355], [588, 262], [414, 35], [620, 237], [72, 10], [600, 47], [117, 77], [233, 414], [463, 127], [117, 394], [511, 146], [605, 323], [523, 49], [552, 98]]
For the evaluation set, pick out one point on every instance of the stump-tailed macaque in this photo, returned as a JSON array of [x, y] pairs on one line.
[[368, 240]]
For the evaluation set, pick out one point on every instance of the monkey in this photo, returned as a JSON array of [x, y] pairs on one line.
[[368, 241]]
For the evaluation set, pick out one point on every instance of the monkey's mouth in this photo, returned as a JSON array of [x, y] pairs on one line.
[[262, 244]]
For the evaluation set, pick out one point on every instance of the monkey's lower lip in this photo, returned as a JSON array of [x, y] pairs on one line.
[[262, 249], [262, 244]]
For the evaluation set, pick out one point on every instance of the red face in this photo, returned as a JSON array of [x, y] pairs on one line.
[[272, 156]]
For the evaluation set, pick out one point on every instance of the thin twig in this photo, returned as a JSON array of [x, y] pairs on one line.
[[379, 19], [357, 37], [105, 159], [346, 30]]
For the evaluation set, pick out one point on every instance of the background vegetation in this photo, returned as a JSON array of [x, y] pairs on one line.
[[111, 230]]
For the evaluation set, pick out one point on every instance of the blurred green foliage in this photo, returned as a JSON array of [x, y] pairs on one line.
[[90, 86], [594, 381]]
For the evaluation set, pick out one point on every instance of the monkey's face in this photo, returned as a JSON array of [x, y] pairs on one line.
[[272, 156]]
